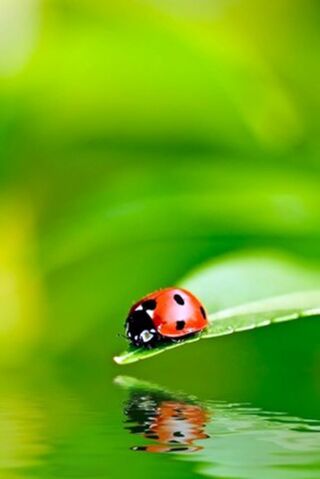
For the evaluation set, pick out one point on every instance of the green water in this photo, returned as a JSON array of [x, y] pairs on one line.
[[87, 421]]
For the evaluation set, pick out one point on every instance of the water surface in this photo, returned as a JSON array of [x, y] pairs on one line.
[[131, 427]]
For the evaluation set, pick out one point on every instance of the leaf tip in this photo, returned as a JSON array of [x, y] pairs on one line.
[[118, 359], [126, 357]]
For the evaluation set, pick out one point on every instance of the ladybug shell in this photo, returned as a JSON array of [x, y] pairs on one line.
[[176, 312]]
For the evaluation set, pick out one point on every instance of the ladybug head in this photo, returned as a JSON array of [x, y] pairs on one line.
[[140, 329]]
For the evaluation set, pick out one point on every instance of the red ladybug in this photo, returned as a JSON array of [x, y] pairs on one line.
[[163, 316]]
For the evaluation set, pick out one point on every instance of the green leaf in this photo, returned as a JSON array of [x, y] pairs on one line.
[[241, 318], [247, 291]]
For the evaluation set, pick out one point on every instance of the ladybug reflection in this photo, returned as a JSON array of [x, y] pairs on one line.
[[173, 424]]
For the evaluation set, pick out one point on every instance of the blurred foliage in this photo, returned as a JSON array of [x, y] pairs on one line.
[[247, 277], [139, 139]]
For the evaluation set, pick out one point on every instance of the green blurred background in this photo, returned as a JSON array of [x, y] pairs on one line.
[[139, 139]]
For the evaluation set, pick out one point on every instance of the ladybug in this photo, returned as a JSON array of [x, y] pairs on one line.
[[167, 315]]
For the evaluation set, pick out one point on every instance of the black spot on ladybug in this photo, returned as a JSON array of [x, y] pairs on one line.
[[149, 304], [203, 312], [180, 325], [178, 299]]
